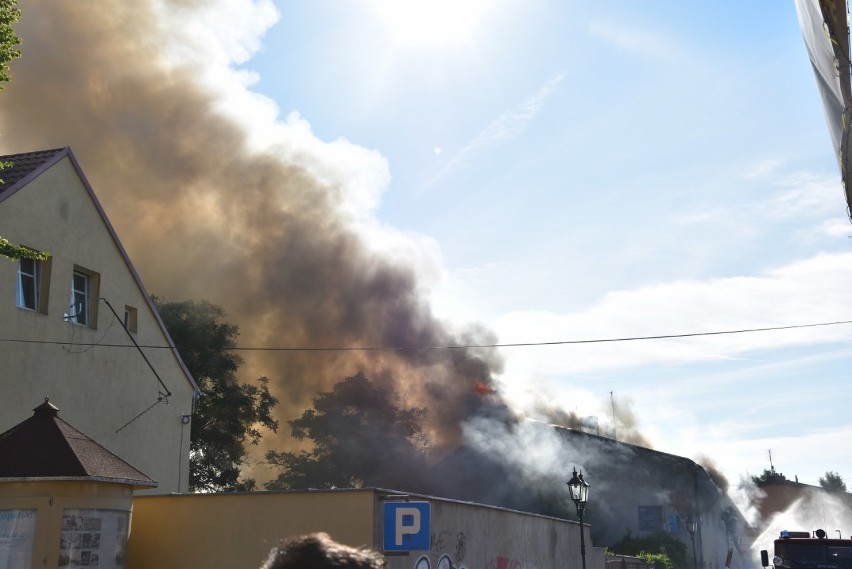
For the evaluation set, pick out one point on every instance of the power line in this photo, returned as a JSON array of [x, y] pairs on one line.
[[444, 347]]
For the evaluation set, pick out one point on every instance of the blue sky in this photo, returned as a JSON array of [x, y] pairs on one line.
[[585, 170]]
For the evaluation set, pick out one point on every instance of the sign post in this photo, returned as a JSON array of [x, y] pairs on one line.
[[406, 526]]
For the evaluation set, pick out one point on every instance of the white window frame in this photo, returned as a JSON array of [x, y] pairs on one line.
[[78, 314], [35, 280]]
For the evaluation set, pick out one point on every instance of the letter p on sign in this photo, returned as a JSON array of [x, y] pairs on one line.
[[407, 523], [406, 526]]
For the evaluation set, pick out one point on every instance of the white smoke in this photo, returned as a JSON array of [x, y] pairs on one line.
[[813, 510]]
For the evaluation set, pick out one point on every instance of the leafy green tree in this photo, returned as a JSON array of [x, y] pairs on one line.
[[769, 476], [228, 414], [15, 252], [660, 548], [9, 42], [833, 482], [361, 435]]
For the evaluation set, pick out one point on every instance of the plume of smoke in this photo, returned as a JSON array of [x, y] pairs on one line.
[[216, 198], [626, 424], [811, 511], [713, 471], [265, 220], [747, 498]]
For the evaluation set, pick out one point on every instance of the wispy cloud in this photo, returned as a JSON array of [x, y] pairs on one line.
[[646, 43], [803, 292], [763, 169], [804, 194], [508, 125]]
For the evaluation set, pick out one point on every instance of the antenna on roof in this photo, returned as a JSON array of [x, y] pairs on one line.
[[614, 424]]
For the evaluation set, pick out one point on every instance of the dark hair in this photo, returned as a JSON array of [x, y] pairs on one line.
[[319, 551]]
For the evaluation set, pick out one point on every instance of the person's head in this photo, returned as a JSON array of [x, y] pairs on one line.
[[319, 551]]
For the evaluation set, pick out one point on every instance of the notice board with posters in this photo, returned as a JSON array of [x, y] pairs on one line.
[[93, 538], [650, 518], [17, 534]]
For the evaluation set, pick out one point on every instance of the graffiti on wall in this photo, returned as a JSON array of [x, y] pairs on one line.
[[444, 562], [504, 563], [448, 551]]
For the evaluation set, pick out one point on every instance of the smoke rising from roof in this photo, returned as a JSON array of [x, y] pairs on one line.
[[263, 219], [216, 198], [713, 471]]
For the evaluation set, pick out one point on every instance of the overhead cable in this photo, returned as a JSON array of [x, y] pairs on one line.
[[442, 347]]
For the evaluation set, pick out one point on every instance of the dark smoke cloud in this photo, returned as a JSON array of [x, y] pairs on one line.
[[713, 471], [206, 215]]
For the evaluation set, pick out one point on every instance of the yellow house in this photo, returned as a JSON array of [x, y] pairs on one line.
[[80, 327]]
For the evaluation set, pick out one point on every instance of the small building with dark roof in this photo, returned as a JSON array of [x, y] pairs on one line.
[[65, 500]]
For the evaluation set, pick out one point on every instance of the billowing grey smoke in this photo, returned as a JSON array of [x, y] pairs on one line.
[[206, 214]]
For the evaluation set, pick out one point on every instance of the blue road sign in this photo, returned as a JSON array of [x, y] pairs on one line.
[[406, 526]]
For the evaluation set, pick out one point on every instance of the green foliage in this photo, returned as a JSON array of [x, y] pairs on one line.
[[833, 482], [361, 436], [769, 476], [9, 41], [657, 560], [15, 252], [228, 413], [661, 549]]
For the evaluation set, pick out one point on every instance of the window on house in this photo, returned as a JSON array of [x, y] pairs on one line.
[[33, 285], [80, 285], [29, 279], [84, 295], [130, 317]]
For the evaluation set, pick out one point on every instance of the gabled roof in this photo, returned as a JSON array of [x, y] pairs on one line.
[[28, 166], [46, 447], [23, 165]]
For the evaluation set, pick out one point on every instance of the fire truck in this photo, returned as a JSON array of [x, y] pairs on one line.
[[801, 550]]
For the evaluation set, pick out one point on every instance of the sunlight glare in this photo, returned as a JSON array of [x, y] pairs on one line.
[[431, 23]]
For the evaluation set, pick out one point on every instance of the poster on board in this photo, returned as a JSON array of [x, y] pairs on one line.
[[93, 538], [17, 534]]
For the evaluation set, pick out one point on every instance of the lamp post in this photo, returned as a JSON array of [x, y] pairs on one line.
[[691, 528], [579, 489]]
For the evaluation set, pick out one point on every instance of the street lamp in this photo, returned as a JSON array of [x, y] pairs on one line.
[[691, 528], [579, 489]]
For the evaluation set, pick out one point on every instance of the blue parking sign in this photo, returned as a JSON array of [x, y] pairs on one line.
[[406, 526]]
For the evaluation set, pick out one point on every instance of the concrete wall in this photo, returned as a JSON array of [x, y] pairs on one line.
[[471, 536], [208, 531], [47, 503], [97, 388], [237, 530]]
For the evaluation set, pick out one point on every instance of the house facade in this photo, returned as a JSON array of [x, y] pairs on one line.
[[81, 329]]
